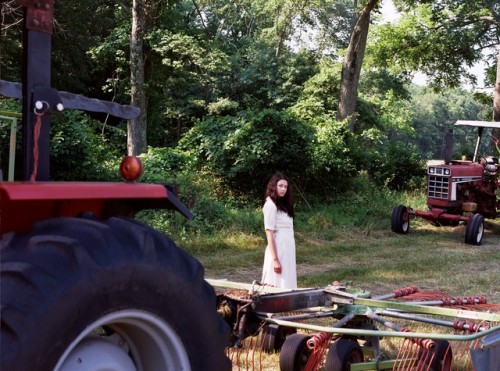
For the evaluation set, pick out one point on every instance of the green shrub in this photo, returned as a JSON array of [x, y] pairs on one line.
[[333, 166], [79, 150], [162, 165], [212, 213], [395, 166], [247, 148]]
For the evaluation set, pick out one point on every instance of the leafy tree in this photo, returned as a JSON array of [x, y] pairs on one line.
[[75, 32], [284, 12], [320, 94], [332, 25], [443, 39], [352, 62], [136, 128], [182, 82], [436, 113], [11, 42]]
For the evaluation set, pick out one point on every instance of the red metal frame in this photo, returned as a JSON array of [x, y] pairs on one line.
[[436, 215], [23, 203]]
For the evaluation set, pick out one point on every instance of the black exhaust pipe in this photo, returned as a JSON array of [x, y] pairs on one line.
[[448, 147]]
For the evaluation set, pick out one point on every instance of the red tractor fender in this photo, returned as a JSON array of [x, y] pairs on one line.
[[24, 203]]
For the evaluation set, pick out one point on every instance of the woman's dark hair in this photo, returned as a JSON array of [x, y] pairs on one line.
[[282, 203]]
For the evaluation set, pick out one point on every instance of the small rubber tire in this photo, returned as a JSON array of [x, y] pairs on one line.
[[342, 354], [273, 337], [295, 353], [475, 230], [400, 220], [71, 277]]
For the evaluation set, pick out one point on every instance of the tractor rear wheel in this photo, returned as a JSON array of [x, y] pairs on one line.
[[400, 221], [475, 230], [87, 294]]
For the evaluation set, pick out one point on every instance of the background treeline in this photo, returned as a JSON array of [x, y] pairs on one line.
[[235, 91]]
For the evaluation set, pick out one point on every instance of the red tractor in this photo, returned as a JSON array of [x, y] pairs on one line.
[[458, 191], [84, 286]]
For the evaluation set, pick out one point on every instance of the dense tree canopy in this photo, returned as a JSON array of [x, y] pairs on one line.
[[243, 88], [442, 39]]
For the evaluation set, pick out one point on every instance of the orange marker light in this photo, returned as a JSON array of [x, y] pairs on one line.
[[131, 168]]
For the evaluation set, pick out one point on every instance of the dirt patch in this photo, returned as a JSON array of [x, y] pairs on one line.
[[243, 275]]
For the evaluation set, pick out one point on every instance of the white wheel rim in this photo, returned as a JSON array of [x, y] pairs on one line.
[[406, 222], [146, 342], [480, 231]]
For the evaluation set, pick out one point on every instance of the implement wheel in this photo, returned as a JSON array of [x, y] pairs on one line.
[[400, 221], [440, 360], [295, 353], [342, 354], [116, 295], [475, 230], [273, 337]]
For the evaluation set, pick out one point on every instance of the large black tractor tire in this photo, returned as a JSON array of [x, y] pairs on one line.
[[342, 354], [83, 294], [400, 221], [475, 230]]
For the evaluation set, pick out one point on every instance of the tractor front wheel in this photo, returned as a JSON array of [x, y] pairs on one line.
[[400, 221], [116, 295], [475, 230]]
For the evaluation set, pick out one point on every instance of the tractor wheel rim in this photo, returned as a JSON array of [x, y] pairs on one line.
[[480, 233], [140, 341]]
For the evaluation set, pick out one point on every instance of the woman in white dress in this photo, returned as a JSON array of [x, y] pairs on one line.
[[279, 268]]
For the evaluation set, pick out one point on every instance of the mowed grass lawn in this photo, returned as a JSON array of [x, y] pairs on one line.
[[372, 259], [368, 257]]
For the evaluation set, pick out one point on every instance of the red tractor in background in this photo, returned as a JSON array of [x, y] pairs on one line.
[[84, 286], [458, 190]]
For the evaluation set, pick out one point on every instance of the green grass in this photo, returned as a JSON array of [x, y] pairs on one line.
[[374, 260], [348, 240], [368, 256], [351, 241]]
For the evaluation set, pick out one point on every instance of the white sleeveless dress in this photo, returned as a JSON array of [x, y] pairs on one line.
[[282, 225]]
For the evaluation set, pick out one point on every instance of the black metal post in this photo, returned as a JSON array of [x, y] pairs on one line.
[[37, 49]]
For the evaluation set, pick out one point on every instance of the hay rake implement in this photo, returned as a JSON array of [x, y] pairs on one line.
[[337, 328]]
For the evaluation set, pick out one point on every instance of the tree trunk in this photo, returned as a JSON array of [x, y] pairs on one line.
[[136, 128], [496, 100], [351, 66]]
